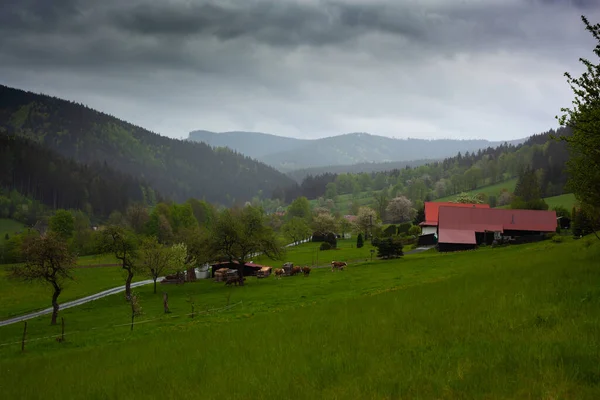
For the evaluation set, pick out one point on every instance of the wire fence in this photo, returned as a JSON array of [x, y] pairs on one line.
[[161, 318]]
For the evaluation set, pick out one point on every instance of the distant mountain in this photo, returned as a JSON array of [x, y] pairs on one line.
[[252, 144], [288, 154], [175, 168]]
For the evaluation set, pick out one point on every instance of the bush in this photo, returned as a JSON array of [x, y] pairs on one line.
[[550, 235], [414, 230], [390, 231], [404, 227], [389, 247], [359, 241], [557, 239], [325, 246], [331, 239]]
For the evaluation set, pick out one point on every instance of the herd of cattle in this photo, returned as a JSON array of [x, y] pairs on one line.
[[280, 272], [335, 265]]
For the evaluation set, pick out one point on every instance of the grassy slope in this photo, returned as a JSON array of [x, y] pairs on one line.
[[9, 226], [490, 190], [308, 254], [517, 322], [564, 200]]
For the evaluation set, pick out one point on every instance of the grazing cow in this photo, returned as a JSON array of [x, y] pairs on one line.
[[278, 272], [306, 270], [338, 265], [295, 270], [233, 280]]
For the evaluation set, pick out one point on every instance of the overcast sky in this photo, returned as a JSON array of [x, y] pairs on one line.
[[305, 68]]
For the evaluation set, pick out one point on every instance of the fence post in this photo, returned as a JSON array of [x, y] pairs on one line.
[[24, 335]]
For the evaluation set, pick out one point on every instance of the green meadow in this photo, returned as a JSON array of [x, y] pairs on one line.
[[489, 190], [564, 200], [19, 297], [503, 323]]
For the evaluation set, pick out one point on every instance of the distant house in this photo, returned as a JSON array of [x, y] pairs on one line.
[[350, 218], [41, 226], [429, 226], [461, 228]]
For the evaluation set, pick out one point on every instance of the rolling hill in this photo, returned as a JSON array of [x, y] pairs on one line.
[[177, 169], [289, 154]]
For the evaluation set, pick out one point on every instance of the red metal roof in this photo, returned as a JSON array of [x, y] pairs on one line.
[[432, 210], [457, 236], [494, 219]]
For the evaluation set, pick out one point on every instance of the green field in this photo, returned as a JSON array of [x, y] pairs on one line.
[[309, 254], [490, 190], [564, 200], [19, 298], [504, 323], [10, 227]]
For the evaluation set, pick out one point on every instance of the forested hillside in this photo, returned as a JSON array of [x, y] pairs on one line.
[[178, 169], [546, 156], [57, 182]]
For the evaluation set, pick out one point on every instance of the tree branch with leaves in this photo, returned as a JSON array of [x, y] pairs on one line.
[[47, 260]]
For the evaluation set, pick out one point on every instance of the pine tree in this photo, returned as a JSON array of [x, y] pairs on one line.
[[359, 241]]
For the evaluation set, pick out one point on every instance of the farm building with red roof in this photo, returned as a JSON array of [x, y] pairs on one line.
[[429, 226], [465, 228]]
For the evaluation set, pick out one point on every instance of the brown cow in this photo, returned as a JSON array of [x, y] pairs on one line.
[[233, 280], [278, 272], [338, 265], [306, 270], [295, 271]]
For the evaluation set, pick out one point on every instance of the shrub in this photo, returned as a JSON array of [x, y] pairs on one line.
[[557, 239], [331, 239], [6, 237], [550, 235], [414, 230], [390, 231], [404, 227], [359, 241], [325, 246], [389, 247]]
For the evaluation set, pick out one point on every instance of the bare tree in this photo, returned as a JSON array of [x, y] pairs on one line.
[[47, 259]]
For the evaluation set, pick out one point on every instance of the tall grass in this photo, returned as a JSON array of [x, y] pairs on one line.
[[518, 322]]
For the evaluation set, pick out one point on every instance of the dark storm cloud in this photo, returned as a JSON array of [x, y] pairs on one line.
[[303, 67]]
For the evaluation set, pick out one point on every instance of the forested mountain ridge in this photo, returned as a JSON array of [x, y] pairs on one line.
[[463, 172], [289, 154], [252, 144], [178, 169], [42, 175]]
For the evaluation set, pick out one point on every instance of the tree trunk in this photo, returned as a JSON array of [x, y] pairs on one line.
[[55, 305], [128, 284], [191, 274], [241, 274], [155, 283]]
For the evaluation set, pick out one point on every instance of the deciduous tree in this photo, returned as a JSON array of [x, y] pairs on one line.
[[400, 209], [124, 245], [584, 143], [296, 229], [47, 259], [62, 223], [240, 234]]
